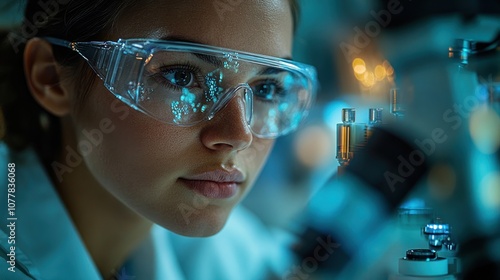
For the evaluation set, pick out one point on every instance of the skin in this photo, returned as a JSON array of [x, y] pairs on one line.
[[131, 178]]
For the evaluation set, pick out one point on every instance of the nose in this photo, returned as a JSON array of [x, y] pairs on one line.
[[229, 129]]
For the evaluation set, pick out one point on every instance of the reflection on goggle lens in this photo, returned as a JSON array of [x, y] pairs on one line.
[[183, 83]]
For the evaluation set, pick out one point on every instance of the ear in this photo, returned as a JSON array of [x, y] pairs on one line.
[[44, 78]]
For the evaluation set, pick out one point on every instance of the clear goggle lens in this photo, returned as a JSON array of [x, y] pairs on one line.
[[184, 84]]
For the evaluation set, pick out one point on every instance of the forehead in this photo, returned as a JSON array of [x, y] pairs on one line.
[[263, 27]]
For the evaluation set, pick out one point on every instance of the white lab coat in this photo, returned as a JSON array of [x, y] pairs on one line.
[[48, 246]]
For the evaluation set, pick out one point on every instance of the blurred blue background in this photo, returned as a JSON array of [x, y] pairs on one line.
[[359, 71]]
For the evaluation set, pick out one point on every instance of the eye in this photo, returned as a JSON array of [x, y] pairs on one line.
[[177, 77], [267, 89], [180, 77]]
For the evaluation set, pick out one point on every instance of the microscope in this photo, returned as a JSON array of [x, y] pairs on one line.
[[416, 195]]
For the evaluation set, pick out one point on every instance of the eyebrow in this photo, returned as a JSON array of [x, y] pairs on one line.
[[217, 62], [181, 39], [271, 71], [207, 58]]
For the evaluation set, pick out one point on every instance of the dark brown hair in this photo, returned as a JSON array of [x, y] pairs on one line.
[[23, 122]]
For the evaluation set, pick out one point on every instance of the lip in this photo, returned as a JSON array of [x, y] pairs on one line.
[[218, 184]]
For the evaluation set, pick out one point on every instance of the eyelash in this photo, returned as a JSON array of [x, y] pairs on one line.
[[161, 70], [279, 85]]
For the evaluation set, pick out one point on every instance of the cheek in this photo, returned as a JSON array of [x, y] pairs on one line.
[[138, 160], [127, 147], [255, 156], [127, 144]]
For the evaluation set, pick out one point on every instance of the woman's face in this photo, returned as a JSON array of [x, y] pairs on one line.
[[186, 179]]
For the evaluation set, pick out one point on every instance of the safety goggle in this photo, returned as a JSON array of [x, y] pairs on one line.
[[183, 83]]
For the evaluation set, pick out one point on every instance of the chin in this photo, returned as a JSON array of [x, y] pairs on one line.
[[199, 223]]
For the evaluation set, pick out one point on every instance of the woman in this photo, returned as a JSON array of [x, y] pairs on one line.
[[178, 142]]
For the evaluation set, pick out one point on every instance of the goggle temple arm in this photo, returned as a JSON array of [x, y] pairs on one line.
[[115, 63], [108, 60], [96, 54]]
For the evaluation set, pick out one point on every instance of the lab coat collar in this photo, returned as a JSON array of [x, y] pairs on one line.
[[48, 245], [45, 235]]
